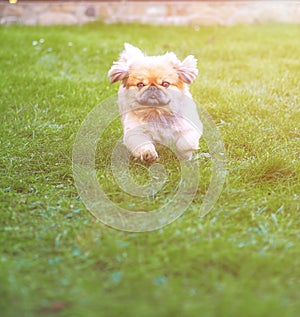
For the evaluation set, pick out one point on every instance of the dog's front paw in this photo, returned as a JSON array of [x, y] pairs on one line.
[[149, 156], [146, 153]]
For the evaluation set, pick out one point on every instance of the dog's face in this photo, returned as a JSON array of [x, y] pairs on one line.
[[150, 80]]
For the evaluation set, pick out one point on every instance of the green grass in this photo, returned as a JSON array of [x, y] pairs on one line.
[[242, 259]]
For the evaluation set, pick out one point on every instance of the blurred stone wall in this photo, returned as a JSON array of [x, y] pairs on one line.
[[155, 12]]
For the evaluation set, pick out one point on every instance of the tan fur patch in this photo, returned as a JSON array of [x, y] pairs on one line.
[[156, 116], [153, 76]]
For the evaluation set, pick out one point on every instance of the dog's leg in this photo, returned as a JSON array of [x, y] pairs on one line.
[[187, 144], [140, 145]]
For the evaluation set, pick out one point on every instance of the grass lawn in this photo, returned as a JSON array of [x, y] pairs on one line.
[[241, 259]]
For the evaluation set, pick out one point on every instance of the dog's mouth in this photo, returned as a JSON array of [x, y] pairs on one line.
[[153, 96]]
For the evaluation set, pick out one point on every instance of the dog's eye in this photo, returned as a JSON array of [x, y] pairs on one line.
[[140, 85], [165, 84]]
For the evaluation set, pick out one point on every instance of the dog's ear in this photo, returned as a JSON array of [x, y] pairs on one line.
[[120, 69], [187, 69], [118, 72]]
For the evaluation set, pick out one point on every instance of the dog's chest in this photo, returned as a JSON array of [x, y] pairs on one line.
[[162, 125], [159, 118]]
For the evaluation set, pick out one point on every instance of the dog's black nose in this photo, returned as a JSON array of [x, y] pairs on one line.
[[152, 88]]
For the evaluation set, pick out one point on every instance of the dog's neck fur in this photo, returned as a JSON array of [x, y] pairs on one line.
[[156, 115]]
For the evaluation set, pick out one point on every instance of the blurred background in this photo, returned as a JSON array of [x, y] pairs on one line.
[[51, 12]]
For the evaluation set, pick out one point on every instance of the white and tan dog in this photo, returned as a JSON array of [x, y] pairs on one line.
[[155, 103]]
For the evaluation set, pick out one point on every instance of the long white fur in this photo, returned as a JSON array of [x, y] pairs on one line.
[[140, 138]]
